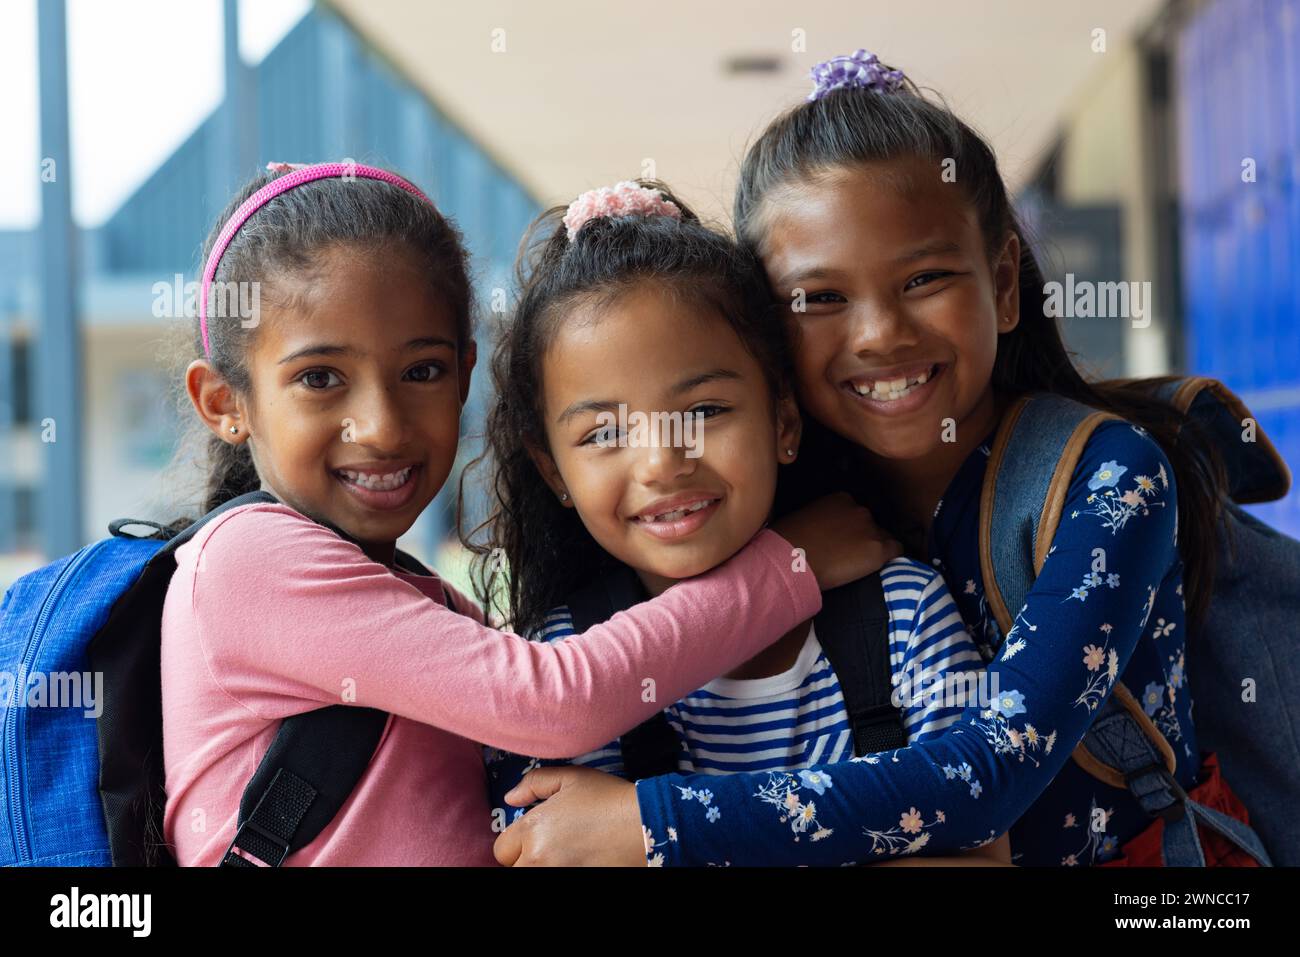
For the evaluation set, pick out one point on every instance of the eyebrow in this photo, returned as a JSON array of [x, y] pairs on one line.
[[940, 247], [685, 385], [802, 275], [330, 349]]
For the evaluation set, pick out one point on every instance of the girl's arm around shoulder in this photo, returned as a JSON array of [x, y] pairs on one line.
[[287, 611], [463, 604], [1113, 551]]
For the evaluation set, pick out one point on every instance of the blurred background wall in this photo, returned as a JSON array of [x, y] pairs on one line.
[[1146, 140]]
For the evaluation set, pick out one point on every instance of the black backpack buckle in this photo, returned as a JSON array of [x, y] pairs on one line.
[[264, 841]]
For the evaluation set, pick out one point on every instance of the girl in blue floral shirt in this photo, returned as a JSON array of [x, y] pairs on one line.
[[917, 309]]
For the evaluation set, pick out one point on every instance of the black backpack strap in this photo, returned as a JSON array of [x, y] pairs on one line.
[[312, 766], [409, 563], [306, 776], [179, 539], [652, 747], [115, 528], [853, 628], [129, 729], [603, 598], [310, 769]]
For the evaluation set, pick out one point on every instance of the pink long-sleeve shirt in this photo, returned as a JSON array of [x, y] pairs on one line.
[[270, 614]]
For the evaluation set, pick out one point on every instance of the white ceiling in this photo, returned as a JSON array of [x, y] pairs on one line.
[[585, 90]]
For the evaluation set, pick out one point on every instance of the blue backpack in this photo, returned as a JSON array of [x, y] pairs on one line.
[[80, 644], [1251, 631]]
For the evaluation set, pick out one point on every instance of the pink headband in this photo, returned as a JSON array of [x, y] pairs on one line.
[[300, 175]]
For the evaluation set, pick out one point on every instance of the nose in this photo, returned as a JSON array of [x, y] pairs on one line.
[[881, 328], [662, 460], [379, 421]]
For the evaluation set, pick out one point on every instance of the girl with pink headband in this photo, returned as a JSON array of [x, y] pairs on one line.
[[343, 402]]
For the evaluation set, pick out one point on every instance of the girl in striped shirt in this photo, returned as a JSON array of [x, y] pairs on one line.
[[640, 381]]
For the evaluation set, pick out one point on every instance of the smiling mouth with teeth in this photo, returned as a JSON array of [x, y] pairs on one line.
[[676, 513], [890, 390], [378, 483]]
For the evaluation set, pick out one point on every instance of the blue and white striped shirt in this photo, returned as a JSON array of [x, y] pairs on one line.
[[795, 719]]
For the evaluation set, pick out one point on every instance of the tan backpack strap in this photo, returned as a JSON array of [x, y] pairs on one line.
[[1104, 772], [1054, 504], [1049, 521], [1188, 391], [992, 593]]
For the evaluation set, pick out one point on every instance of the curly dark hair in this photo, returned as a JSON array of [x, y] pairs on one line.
[[547, 550]]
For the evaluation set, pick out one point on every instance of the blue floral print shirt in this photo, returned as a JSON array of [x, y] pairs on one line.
[[1107, 606]]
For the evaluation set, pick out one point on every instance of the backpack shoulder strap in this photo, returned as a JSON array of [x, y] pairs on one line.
[[604, 597], [305, 777], [409, 563], [187, 533], [1038, 447], [853, 629], [129, 728], [303, 780], [651, 748], [1124, 749], [311, 768]]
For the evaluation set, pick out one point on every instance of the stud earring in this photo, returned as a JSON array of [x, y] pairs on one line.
[[234, 429], [790, 452], [564, 496]]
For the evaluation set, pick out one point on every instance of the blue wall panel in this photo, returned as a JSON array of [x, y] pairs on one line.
[[1238, 81]]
